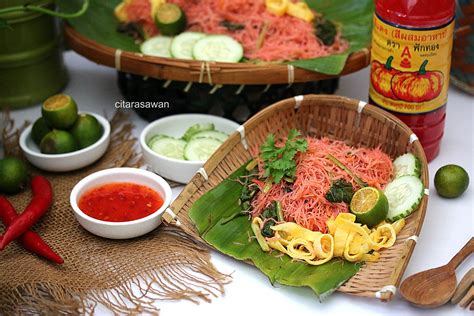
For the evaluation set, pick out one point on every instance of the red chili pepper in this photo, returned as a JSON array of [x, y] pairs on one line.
[[30, 240], [259, 183], [41, 201]]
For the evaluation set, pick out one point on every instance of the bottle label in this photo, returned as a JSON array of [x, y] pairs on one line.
[[410, 67]]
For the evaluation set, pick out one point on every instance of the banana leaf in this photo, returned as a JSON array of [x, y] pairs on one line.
[[216, 206], [354, 17]]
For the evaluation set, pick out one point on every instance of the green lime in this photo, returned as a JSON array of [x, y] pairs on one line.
[[86, 130], [451, 181], [59, 111], [13, 175], [58, 142], [39, 130], [370, 206], [170, 19]]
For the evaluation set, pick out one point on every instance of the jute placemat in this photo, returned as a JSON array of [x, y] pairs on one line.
[[125, 276]]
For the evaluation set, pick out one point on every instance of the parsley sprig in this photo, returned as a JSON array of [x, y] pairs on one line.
[[279, 162]]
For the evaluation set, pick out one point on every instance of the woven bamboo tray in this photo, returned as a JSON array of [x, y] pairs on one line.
[[335, 117], [203, 72]]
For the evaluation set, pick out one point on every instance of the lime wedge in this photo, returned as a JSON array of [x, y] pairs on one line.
[[370, 206]]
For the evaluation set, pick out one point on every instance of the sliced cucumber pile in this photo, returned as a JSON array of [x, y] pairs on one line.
[[221, 48], [198, 143], [407, 165], [169, 147], [156, 137], [182, 45], [201, 148], [196, 128], [211, 134], [405, 192], [194, 45], [404, 195], [158, 46]]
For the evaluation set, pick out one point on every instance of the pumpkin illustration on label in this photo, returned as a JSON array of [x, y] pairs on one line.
[[420, 86], [381, 77]]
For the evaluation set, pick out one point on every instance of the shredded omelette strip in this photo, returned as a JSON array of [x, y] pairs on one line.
[[345, 239]]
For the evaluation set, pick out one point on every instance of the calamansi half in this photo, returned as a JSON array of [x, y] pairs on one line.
[[59, 111], [370, 206]]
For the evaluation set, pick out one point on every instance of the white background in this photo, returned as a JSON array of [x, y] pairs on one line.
[[448, 223]]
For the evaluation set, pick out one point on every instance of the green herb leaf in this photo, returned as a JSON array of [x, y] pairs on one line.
[[325, 30], [340, 191], [267, 231], [271, 211], [279, 162], [133, 30], [232, 26]]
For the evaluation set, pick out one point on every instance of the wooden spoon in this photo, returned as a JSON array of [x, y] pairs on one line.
[[435, 287], [467, 282]]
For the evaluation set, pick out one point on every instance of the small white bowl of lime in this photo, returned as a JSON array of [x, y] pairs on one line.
[[67, 161]]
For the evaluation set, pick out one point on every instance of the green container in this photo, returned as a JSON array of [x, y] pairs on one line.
[[31, 62]]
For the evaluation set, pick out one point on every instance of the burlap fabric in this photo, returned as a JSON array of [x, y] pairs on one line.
[[125, 276]]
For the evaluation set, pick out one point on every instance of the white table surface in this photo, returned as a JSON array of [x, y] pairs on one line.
[[448, 224]]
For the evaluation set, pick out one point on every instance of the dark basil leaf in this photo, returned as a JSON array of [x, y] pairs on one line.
[[325, 30], [340, 191], [232, 26]]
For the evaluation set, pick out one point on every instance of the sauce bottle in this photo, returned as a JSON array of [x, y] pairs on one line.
[[410, 63]]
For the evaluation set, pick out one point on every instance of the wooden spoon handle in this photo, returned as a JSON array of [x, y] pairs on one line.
[[466, 283], [462, 254], [467, 299]]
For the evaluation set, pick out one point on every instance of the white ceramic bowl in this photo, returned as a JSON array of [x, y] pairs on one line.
[[121, 230], [176, 125], [69, 161]]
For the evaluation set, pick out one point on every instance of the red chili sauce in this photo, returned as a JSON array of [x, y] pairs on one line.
[[120, 202]]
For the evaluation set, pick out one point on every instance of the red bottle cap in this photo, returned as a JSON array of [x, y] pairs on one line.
[[416, 13]]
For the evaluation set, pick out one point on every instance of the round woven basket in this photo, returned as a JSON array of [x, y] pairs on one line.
[[214, 73], [336, 117]]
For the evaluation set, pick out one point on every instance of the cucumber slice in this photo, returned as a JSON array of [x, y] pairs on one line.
[[170, 19], [404, 195], [200, 149], [155, 138], [182, 45], [196, 128], [220, 136], [220, 48], [407, 165], [169, 147], [157, 46]]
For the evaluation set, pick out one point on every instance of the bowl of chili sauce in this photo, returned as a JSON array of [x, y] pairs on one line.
[[120, 203]]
